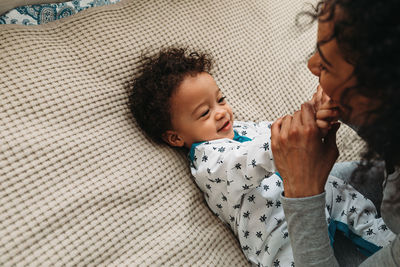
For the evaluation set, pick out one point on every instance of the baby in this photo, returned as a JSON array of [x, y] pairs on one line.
[[176, 100]]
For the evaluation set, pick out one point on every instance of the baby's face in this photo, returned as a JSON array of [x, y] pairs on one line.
[[199, 111]]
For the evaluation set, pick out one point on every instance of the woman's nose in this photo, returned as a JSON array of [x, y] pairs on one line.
[[314, 64]]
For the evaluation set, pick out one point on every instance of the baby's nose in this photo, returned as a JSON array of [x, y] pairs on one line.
[[220, 114]]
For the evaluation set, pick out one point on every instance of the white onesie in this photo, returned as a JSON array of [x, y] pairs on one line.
[[241, 186]]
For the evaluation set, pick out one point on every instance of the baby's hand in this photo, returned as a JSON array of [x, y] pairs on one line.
[[326, 111], [326, 116]]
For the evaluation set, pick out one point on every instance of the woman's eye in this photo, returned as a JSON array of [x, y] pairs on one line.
[[222, 99], [205, 113]]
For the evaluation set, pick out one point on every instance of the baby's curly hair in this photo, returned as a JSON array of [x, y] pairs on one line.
[[158, 78]]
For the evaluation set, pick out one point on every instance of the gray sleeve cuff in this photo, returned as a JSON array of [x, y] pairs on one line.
[[308, 231], [311, 202]]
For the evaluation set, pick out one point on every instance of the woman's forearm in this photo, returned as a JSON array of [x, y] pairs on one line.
[[308, 231]]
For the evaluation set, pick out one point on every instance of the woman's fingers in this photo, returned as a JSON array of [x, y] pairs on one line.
[[328, 105], [297, 117], [308, 114], [285, 127], [278, 122], [316, 99], [327, 114], [322, 124], [275, 132], [320, 91]]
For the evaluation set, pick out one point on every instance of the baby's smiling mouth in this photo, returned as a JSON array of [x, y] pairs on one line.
[[226, 124]]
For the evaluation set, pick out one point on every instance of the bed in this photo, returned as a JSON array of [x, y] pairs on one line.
[[80, 184]]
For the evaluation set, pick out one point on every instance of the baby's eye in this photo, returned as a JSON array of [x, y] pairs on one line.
[[222, 99], [205, 113]]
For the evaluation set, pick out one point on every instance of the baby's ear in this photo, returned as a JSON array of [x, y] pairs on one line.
[[173, 138]]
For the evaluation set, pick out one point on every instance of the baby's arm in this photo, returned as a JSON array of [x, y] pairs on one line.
[[238, 166], [326, 111]]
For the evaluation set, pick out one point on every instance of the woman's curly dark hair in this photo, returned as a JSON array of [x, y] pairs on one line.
[[158, 77], [368, 35]]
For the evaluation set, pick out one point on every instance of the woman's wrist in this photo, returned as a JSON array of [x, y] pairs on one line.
[[302, 190]]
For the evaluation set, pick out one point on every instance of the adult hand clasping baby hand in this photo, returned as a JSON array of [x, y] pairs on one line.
[[303, 158]]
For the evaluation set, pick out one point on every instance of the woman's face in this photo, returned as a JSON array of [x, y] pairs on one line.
[[335, 75]]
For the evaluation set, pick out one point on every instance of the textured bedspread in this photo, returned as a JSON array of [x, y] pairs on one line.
[[79, 182]]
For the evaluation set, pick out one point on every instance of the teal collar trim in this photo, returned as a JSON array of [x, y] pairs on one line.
[[192, 149], [240, 138], [237, 137]]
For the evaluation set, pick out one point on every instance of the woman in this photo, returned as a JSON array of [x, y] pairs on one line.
[[358, 64]]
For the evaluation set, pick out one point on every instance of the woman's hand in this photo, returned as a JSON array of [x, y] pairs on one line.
[[303, 158]]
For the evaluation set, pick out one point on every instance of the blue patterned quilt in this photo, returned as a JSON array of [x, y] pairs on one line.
[[40, 14]]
